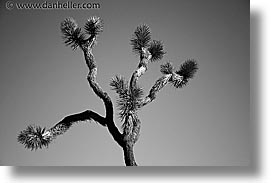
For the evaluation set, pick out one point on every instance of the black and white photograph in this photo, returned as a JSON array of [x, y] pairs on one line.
[[125, 83]]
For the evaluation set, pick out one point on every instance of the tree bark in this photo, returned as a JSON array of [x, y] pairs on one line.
[[132, 132], [91, 64], [129, 157]]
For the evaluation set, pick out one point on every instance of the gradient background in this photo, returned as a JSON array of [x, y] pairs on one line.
[[205, 124]]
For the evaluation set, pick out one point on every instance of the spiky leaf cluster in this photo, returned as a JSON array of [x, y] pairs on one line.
[[129, 99], [156, 50], [185, 72], [166, 68], [94, 26], [178, 81], [188, 69], [120, 85], [32, 138], [72, 34], [141, 38]]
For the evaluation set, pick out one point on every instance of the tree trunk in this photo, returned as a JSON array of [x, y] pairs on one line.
[[129, 155]]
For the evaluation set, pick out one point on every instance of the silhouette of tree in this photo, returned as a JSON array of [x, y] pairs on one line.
[[130, 95]]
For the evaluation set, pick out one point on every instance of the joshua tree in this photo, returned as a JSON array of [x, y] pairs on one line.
[[130, 94]]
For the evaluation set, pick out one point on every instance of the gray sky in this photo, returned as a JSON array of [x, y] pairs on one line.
[[205, 123]]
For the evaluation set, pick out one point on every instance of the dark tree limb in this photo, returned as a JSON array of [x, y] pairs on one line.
[[68, 121], [83, 116], [34, 137], [91, 64]]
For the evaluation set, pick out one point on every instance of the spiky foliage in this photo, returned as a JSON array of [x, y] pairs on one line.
[[141, 38], [136, 94], [94, 26], [185, 72], [167, 68], [156, 50], [128, 100], [120, 85], [32, 137], [72, 35], [188, 69], [130, 103]]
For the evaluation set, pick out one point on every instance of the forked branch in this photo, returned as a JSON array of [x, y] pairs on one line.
[[177, 78], [148, 51], [130, 95], [35, 137]]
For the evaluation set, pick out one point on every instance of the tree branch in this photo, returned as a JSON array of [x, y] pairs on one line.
[[159, 84], [35, 137], [91, 63], [145, 57], [132, 123]]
